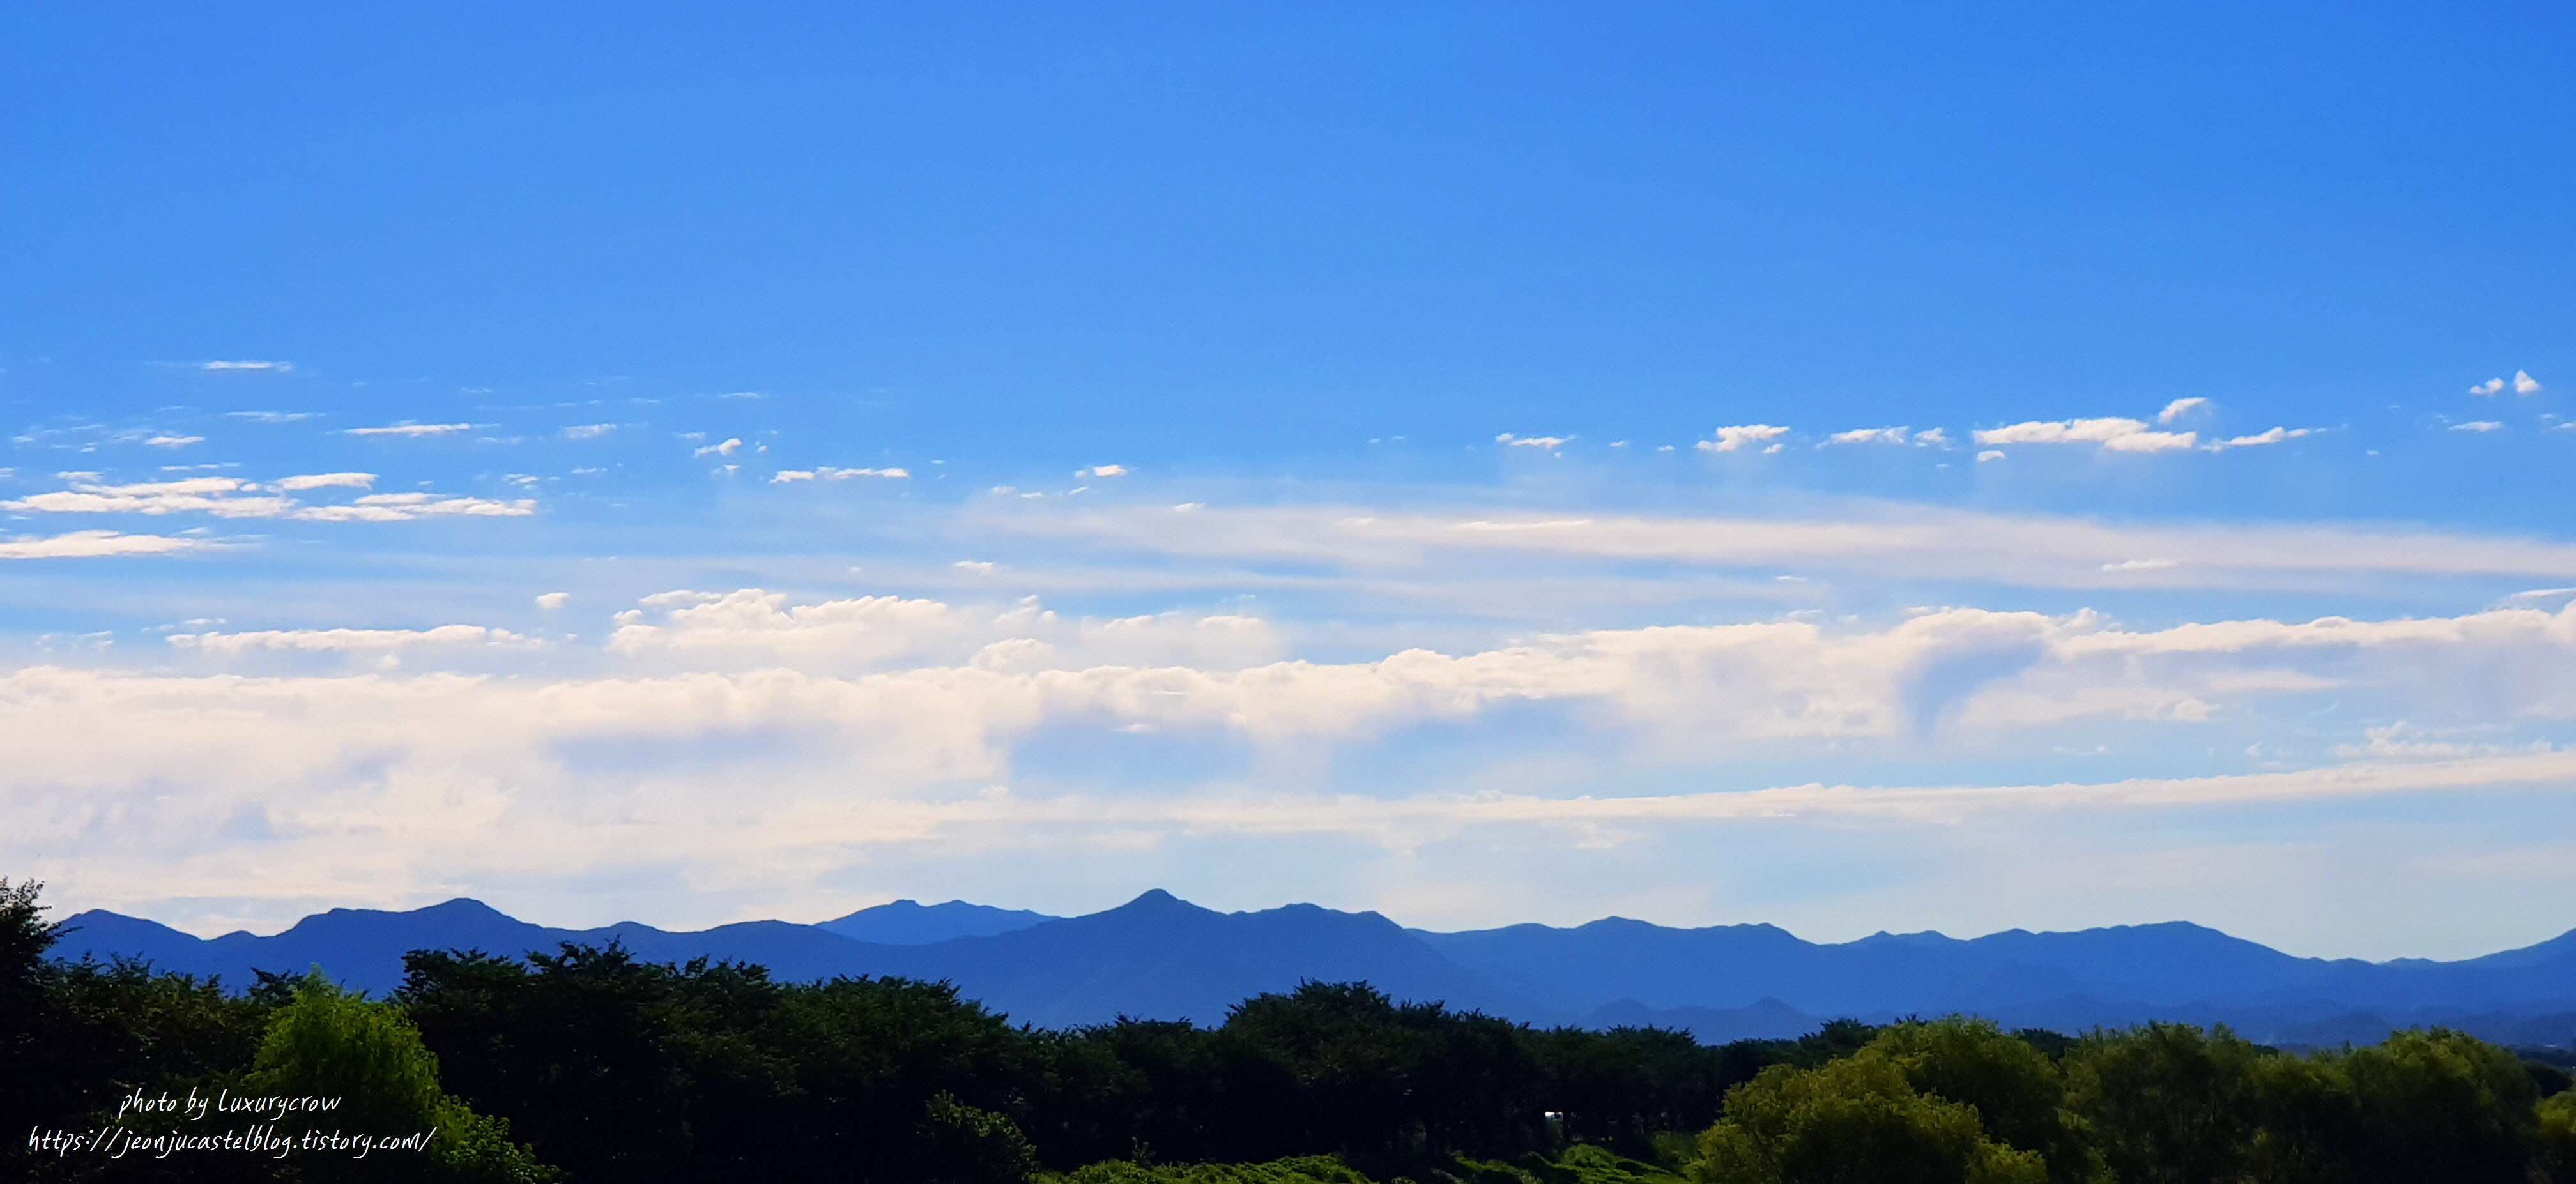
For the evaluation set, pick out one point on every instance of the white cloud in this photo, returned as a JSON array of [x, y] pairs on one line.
[[828, 473], [1932, 438], [325, 481], [588, 431], [1730, 439], [2524, 383], [977, 566], [174, 441], [2274, 436], [1880, 541], [2489, 387], [2179, 408], [751, 625], [1990, 454], [270, 367], [271, 416], [553, 600], [219, 496], [761, 626], [1870, 436], [370, 783], [1551, 443], [83, 544], [405, 507], [728, 448], [413, 429], [231, 497], [1102, 471], [2117, 435], [1701, 687], [2477, 425], [1674, 693], [343, 640], [2062, 432]]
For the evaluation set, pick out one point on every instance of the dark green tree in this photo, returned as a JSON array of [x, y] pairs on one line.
[[2166, 1103], [2438, 1107]]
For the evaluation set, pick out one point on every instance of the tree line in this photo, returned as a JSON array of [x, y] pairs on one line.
[[592, 1065]]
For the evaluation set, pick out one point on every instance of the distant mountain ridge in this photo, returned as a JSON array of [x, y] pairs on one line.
[[1161, 957], [911, 923]]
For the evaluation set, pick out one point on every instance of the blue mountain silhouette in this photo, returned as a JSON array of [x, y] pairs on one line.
[[1160, 957], [911, 923]]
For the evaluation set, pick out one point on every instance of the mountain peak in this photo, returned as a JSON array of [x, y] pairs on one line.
[[464, 906], [909, 922]]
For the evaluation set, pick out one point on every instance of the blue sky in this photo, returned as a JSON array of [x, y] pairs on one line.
[[1856, 468]]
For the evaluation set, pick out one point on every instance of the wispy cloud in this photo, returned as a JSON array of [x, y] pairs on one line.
[[1102, 471], [174, 441], [2274, 436], [1550, 443], [2478, 425], [1869, 436], [406, 507], [223, 497], [1730, 439], [588, 431], [362, 640], [272, 416], [232, 497], [1881, 541], [2179, 408], [83, 544], [2113, 434], [413, 429], [325, 481], [828, 473], [251, 366], [727, 448]]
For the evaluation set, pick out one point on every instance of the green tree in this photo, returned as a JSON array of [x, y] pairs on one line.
[[967, 1145], [1853, 1121], [2439, 1107], [2555, 1136], [2305, 1120], [336, 1044], [2166, 1103], [2016, 1090]]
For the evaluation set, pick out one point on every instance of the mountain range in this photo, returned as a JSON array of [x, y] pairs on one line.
[[1161, 957]]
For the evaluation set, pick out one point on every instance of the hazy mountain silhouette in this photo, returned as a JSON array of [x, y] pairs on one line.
[[911, 923], [1160, 957]]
